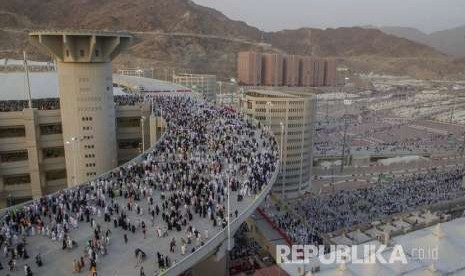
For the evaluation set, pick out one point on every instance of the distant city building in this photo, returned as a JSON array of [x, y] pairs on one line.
[[306, 72], [330, 72], [249, 68], [204, 84], [269, 69], [272, 69], [318, 72], [291, 70], [297, 112]]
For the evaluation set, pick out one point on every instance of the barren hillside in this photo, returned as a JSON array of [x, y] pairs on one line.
[[184, 36]]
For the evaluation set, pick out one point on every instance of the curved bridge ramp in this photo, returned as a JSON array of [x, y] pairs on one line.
[[205, 152]]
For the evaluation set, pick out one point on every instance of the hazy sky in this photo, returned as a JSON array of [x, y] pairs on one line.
[[272, 15]]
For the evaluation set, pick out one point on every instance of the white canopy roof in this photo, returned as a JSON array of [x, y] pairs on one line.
[[448, 238]]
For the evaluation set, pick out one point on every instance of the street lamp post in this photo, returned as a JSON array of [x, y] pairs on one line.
[[229, 214], [282, 170], [344, 145], [221, 92], [346, 103], [142, 120], [233, 82], [269, 105]]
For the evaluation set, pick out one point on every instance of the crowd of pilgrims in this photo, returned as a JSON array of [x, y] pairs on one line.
[[386, 135], [19, 105], [184, 179], [54, 103], [326, 213]]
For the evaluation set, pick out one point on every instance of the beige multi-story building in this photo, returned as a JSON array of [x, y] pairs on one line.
[[291, 70], [85, 83], [33, 149], [291, 116], [272, 69], [203, 84], [249, 68]]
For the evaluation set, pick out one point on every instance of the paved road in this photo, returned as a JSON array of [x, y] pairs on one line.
[[364, 176]]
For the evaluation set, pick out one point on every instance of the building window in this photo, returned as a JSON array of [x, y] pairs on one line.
[[127, 122], [86, 119], [55, 175], [16, 179], [50, 129], [129, 143], [53, 152], [10, 132], [13, 156]]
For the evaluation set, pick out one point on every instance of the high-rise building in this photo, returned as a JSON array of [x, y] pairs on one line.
[[86, 97], [272, 69], [255, 69], [291, 70], [306, 71], [330, 72], [249, 68], [318, 72], [297, 113]]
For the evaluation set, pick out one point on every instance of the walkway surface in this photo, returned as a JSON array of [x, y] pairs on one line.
[[121, 259]]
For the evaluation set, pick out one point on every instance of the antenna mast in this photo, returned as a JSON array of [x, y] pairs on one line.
[[28, 83]]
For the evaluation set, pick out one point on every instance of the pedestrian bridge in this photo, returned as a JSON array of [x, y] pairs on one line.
[[120, 258]]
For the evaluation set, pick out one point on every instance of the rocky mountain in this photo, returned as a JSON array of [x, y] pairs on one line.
[[450, 42], [409, 33], [181, 35]]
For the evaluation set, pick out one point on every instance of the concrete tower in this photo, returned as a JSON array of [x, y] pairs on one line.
[[86, 97]]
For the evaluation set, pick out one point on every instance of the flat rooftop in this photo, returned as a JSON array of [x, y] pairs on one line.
[[448, 238]]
